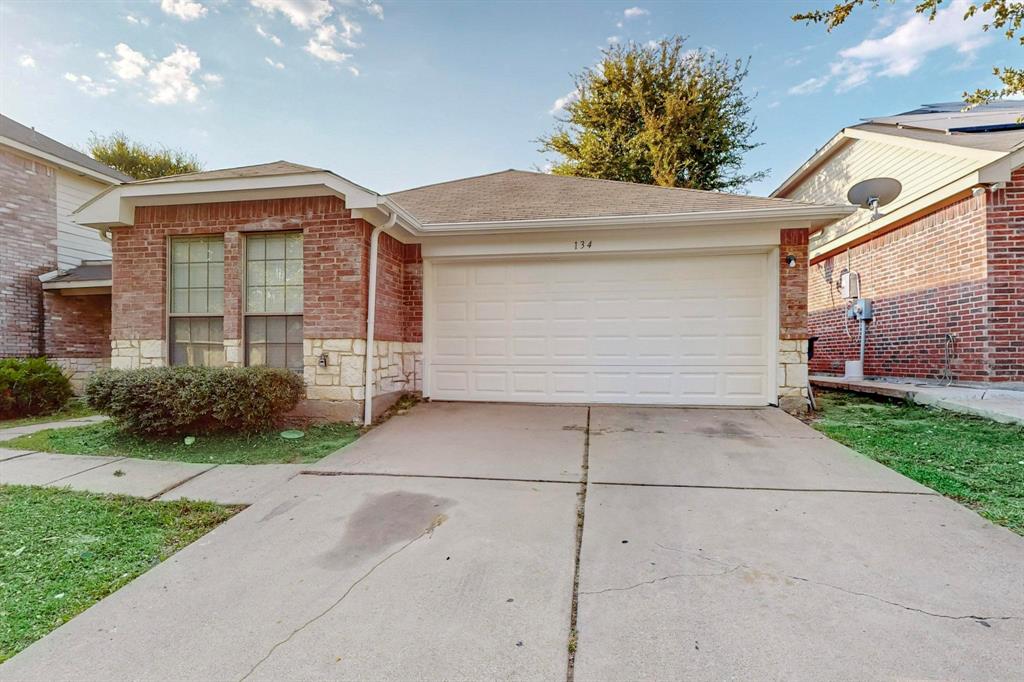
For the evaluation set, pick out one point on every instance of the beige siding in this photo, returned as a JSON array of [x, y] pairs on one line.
[[918, 170], [74, 242]]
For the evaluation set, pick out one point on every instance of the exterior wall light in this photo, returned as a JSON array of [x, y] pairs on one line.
[[791, 260]]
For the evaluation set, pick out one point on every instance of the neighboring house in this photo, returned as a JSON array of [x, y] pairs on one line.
[[513, 286], [944, 262], [41, 182]]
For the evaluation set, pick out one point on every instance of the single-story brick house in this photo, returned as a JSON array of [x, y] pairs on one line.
[[944, 262], [41, 183], [514, 286]]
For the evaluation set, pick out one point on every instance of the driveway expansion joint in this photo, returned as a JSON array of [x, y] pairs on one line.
[[581, 510], [178, 484], [922, 493], [101, 464]]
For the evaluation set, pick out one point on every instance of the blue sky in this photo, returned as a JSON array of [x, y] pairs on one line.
[[398, 94]]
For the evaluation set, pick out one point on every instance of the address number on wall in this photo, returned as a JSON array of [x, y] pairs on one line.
[[582, 244]]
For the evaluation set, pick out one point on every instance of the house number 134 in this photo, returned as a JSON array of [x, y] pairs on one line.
[[582, 244]]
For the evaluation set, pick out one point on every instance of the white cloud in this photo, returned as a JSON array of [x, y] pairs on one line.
[[634, 12], [269, 36], [808, 86], [27, 61], [271, 62], [88, 85], [375, 9], [138, 21], [186, 10], [563, 101], [902, 50], [321, 45], [611, 40], [212, 78], [354, 71], [303, 14], [129, 64], [349, 31], [171, 78]]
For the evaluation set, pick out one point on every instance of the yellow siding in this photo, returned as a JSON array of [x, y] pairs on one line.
[[918, 170]]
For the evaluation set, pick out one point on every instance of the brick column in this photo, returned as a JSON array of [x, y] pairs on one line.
[[792, 369]]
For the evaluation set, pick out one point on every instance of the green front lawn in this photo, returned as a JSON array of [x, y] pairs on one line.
[[75, 409], [62, 551], [977, 462], [226, 448]]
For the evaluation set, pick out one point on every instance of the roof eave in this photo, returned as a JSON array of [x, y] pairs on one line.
[[57, 161], [811, 216]]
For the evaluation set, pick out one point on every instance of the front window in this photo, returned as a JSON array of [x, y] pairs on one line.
[[197, 301], [273, 300]]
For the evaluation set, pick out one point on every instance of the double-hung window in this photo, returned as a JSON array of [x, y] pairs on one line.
[[273, 300], [197, 301]]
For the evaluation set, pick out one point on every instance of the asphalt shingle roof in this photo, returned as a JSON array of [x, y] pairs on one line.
[[522, 195], [13, 130]]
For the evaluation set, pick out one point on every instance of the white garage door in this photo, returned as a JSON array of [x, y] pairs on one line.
[[674, 330]]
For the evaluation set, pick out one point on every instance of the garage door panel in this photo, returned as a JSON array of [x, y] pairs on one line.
[[672, 330]]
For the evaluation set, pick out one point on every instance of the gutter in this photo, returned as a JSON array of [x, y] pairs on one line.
[[371, 314]]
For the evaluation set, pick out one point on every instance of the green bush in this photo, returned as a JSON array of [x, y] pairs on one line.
[[174, 401], [31, 386]]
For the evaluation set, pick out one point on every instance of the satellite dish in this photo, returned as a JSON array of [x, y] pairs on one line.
[[874, 193]]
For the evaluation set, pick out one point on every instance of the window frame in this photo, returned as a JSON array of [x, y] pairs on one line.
[[170, 315], [246, 314]]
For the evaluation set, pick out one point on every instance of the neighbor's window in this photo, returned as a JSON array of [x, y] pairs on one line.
[[197, 301], [273, 300]]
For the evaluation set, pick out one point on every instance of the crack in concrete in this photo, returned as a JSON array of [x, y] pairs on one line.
[[427, 531], [664, 578], [733, 568], [897, 604]]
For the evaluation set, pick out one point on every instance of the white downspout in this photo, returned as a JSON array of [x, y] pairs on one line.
[[371, 314]]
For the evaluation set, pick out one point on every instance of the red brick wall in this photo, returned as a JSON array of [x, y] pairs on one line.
[[335, 254], [1005, 243], [413, 293], [77, 326], [927, 279], [793, 285], [28, 216]]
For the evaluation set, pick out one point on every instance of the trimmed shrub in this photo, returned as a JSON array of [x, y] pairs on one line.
[[31, 386], [174, 401]]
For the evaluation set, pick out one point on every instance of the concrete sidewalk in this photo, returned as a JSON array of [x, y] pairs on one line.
[[998, 404], [150, 479], [13, 432]]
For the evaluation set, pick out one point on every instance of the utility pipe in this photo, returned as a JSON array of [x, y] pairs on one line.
[[371, 314]]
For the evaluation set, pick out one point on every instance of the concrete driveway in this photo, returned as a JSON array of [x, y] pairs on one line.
[[442, 545]]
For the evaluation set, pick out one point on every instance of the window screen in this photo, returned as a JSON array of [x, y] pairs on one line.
[[273, 300], [197, 301]]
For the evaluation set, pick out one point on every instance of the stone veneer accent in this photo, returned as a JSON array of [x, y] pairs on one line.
[[792, 375], [78, 370], [397, 367], [137, 353]]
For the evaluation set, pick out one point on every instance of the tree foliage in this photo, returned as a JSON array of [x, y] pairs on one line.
[[1007, 17], [139, 160], [658, 115]]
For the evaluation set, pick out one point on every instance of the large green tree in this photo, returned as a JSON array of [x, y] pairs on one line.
[[139, 160], [1006, 16], [658, 114]]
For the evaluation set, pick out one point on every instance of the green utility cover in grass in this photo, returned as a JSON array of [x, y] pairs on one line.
[[292, 434]]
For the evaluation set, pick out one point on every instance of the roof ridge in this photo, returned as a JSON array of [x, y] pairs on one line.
[[311, 169], [448, 182]]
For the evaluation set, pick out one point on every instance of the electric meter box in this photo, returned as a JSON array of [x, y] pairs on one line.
[[849, 285]]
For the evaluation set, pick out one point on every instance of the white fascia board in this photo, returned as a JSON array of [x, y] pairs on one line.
[[983, 155], [116, 206], [796, 216], [819, 157], [57, 161], [80, 284]]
